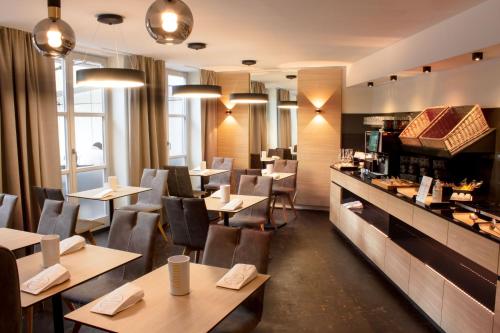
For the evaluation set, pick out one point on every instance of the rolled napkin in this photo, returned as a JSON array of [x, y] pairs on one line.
[[233, 204], [46, 279], [238, 276], [71, 244], [104, 193], [353, 205], [264, 172], [216, 194], [274, 157], [118, 300]]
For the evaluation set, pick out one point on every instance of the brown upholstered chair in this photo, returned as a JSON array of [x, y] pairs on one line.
[[285, 188], [10, 306], [189, 223], [59, 218], [257, 215], [150, 201], [179, 181], [83, 227], [272, 152], [220, 163], [236, 175], [228, 246], [7, 209]]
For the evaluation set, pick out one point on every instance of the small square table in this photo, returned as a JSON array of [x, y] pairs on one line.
[[199, 311], [16, 239], [215, 204], [82, 265], [282, 175], [205, 173]]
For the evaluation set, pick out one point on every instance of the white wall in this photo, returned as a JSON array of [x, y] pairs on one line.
[[272, 118], [194, 124]]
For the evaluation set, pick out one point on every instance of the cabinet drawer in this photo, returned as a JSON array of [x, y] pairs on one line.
[[430, 225], [478, 249], [354, 227], [400, 209], [426, 289], [397, 265], [462, 314], [375, 245], [338, 177]]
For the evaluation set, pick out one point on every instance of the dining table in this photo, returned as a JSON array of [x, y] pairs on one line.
[[14, 239], [215, 204], [204, 174]]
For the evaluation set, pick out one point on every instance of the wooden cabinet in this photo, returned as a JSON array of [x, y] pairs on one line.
[[399, 209], [431, 225], [374, 242], [462, 314], [397, 265], [378, 198], [496, 319], [478, 249], [426, 289], [353, 227], [335, 193]]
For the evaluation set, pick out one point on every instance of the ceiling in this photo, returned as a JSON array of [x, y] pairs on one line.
[[282, 35]]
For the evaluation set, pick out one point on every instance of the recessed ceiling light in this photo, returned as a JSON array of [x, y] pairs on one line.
[[427, 69], [477, 56], [370, 84], [291, 77], [249, 62], [393, 77]]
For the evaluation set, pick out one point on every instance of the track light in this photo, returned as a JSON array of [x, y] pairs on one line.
[[370, 84], [477, 56], [393, 77], [427, 69]]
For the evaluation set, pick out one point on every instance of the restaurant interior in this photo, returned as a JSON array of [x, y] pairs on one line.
[[263, 166]]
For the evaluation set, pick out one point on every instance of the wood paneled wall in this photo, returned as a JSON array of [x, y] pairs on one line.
[[319, 135], [233, 130]]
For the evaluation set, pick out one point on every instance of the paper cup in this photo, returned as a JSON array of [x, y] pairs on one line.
[[263, 154], [50, 250], [225, 191], [203, 165], [113, 182], [178, 273], [269, 168]]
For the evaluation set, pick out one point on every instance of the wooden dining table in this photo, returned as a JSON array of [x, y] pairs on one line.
[[201, 310], [215, 204], [14, 239], [205, 173]]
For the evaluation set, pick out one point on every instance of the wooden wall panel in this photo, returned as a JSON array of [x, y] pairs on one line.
[[233, 130], [318, 141]]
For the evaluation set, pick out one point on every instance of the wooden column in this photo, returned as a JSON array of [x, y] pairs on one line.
[[318, 133]]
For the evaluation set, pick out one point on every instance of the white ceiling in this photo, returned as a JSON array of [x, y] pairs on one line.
[[282, 35]]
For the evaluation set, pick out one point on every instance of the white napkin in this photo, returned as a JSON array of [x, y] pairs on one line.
[[264, 172], [46, 279], [71, 244], [275, 176], [274, 157], [238, 276], [104, 193], [119, 299], [233, 204], [217, 194], [353, 205]]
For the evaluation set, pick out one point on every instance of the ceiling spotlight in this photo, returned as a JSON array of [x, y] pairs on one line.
[[393, 77], [477, 56], [197, 91], [169, 21], [427, 69], [288, 105], [291, 77], [249, 62], [370, 84], [248, 98], [197, 46]]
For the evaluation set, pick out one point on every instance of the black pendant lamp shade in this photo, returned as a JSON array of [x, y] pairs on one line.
[[53, 37], [197, 91], [169, 21], [288, 105], [110, 78], [248, 98]]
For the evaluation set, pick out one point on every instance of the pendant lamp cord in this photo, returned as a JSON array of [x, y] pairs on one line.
[[91, 42]]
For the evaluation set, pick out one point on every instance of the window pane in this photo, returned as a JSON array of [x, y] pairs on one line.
[[89, 139], [177, 107], [176, 135], [64, 181], [175, 80], [87, 99], [177, 161], [60, 83], [61, 125], [91, 209]]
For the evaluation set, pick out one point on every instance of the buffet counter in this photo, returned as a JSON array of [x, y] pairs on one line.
[[444, 266]]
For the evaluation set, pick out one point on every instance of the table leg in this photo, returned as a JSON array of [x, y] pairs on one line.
[[202, 185], [111, 211], [57, 313], [226, 219]]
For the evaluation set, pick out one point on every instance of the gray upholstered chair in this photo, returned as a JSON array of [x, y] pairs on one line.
[[10, 306], [257, 215], [59, 218], [83, 227], [285, 188], [236, 175], [132, 232], [188, 223], [179, 181], [7, 209], [228, 246], [220, 163], [150, 201]]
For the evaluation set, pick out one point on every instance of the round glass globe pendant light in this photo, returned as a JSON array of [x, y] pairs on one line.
[[169, 21], [53, 37]]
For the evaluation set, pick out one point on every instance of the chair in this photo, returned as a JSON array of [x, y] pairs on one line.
[[257, 215], [83, 227], [220, 163], [150, 201], [255, 162], [132, 232], [179, 181], [287, 153], [59, 218], [285, 188], [189, 223], [272, 152], [228, 246], [7, 208], [236, 175], [10, 307]]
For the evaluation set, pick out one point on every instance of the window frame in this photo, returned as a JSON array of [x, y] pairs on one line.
[[184, 116]]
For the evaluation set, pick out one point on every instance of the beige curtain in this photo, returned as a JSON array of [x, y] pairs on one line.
[[284, 121], [147, 119], [209, 120], [258, 121], [28, 124]]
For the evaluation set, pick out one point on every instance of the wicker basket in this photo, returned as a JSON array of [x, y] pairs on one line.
[[455, 129], [417, 126]]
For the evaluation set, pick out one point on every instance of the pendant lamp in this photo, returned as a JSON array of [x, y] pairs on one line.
[[169, 21]]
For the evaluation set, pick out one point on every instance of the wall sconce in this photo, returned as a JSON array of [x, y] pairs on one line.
[[370, 84], [229, 112], [426, 69], [318, 110], [477, 56], [393, 77]]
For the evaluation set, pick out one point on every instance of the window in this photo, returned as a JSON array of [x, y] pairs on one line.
[[177, 122], [82, 134]]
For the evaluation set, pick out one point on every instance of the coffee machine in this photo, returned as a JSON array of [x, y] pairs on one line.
[[384, 148]]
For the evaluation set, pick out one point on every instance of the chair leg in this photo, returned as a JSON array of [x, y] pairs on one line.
[[90, 237], [28, 318], [283, 204], [291, 204], [274, 204], [196, 256], [262, 228], [72, 307], [273, 222], [162, 231]]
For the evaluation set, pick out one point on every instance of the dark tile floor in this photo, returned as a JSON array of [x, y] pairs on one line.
[[319, 283]]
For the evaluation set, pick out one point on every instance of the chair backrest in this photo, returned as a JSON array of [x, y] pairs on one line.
[[185, 187], [189, 221], [133, 232], [255, 161], [173, 188], [290, 166], [10, 306], [43, 193], [272, 152], [58, 217], [259, 186], [222, 163], [287, 153], [157, 181], [7, 209], [236, 176]]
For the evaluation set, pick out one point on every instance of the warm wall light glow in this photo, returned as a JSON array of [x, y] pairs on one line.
[[54, 38], [318, 111], [228, 112], [169, 22]]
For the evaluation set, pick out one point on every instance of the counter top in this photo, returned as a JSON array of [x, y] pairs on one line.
[[444, 213]]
